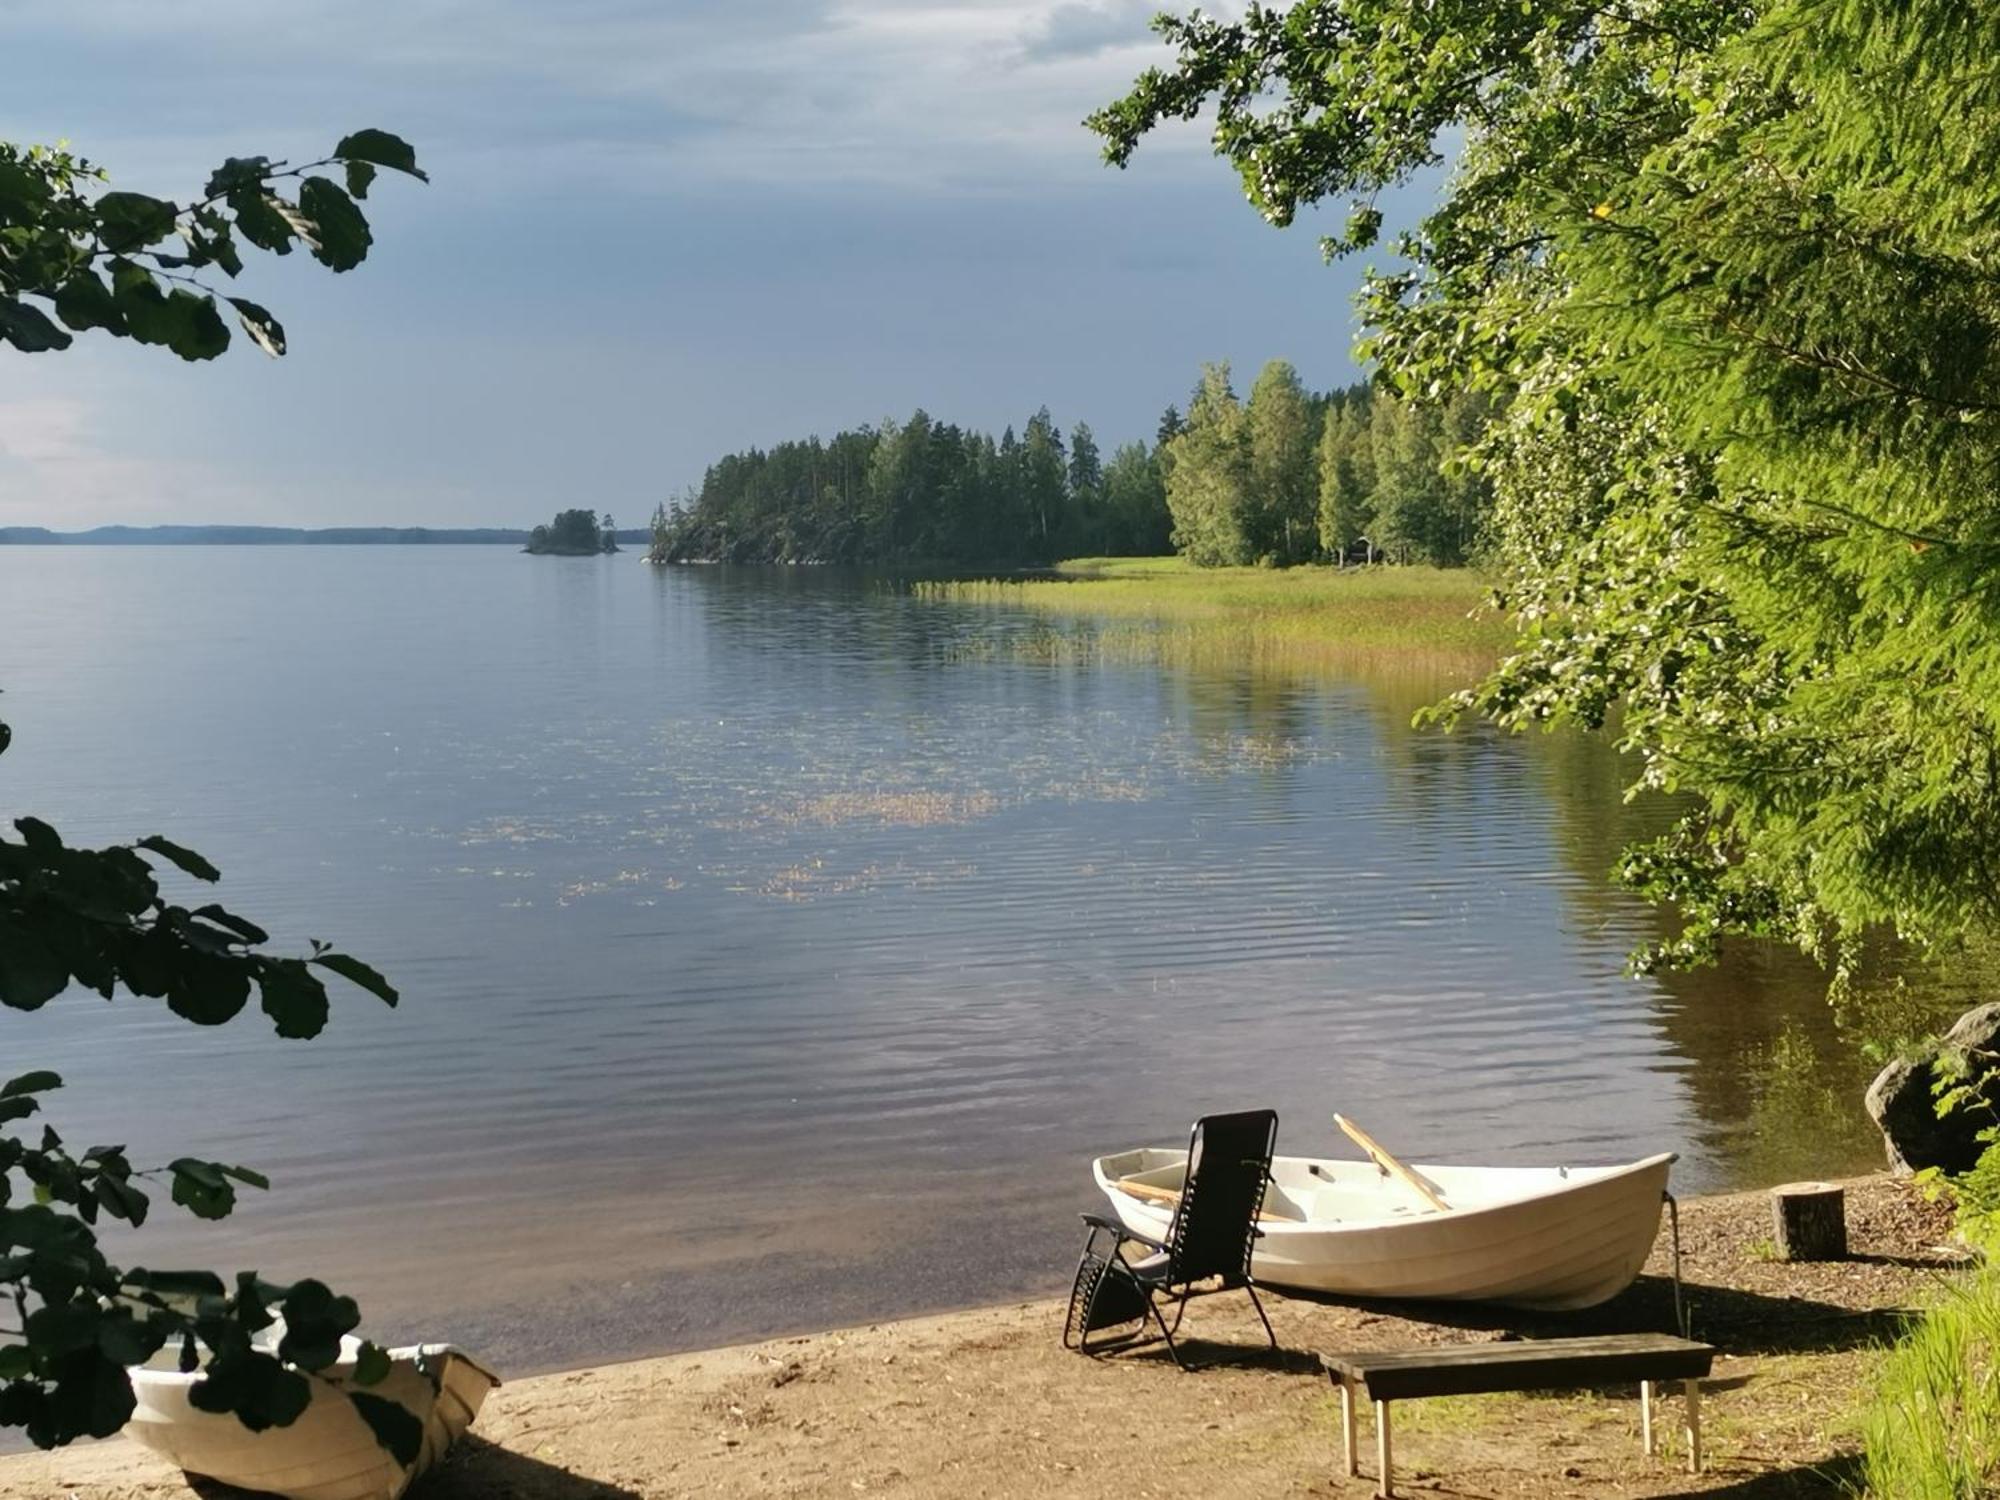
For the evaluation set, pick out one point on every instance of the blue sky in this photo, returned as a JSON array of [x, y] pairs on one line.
[[654, 233]]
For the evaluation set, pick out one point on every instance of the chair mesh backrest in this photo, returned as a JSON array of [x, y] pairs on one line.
[[1229, 1166]]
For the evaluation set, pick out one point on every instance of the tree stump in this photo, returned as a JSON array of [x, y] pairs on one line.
[[1809, 1221]]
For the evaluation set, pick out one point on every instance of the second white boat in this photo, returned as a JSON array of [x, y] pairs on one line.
[[1538, 1237]]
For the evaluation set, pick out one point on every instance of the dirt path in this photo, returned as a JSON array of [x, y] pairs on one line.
[[985, 1403]]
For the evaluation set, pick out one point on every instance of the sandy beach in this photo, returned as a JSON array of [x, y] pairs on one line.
[[986, 1403]]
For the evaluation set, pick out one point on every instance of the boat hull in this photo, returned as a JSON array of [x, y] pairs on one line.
[[329, 1453], [1554, 1239]]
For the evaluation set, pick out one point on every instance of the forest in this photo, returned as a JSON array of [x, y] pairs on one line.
[[1286, 476]]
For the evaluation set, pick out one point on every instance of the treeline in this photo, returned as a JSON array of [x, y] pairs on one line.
[[922, 490], [1286, 477], [1291, 477]]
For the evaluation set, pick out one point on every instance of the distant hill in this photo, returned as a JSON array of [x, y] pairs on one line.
[[268, 536]]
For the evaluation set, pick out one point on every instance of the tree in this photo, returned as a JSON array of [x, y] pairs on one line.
[[73, 259], [1730, 267], [574, 533], [1138, 523], [1284, 428], [1346, 457], [1208, 476], [1044, 480]]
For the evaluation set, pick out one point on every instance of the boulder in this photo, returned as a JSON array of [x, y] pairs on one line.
[[1901, 1102]]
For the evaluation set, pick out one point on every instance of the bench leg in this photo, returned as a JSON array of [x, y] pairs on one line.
[[1383, 1463], [1347, 1427], [1694, 1426], [1646, 1442]]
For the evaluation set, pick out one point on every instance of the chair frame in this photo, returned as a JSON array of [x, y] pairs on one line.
[[1171, 1283]]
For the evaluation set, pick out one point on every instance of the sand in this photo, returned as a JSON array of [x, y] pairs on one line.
[[986, 1403]]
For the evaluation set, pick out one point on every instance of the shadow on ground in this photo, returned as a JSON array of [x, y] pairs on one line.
[[1734, 1320], [1837, 1476], [476, 1470]]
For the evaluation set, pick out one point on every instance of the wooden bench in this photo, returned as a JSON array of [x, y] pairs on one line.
[[1517, 1365]]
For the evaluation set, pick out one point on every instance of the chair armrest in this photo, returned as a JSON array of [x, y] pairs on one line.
[[1117, 1227]]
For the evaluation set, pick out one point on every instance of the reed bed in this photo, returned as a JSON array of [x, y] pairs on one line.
[[1427, 621]]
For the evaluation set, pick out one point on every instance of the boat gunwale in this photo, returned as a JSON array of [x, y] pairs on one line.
[[1285, 1228]]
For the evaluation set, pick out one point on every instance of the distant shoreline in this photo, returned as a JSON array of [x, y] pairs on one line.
[[276, 536]]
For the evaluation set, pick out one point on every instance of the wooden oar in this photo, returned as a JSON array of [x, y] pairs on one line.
[[1389, 1163], [1170, 1196]]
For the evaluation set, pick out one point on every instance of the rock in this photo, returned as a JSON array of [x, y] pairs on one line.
[[1900, 1100]]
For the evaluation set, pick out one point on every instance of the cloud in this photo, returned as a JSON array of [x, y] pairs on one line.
[[1079, 30], [923, 94]]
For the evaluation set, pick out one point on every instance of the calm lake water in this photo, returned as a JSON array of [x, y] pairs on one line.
[[775, 953]]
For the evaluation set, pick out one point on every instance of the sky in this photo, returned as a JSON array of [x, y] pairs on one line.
[[654, 234]]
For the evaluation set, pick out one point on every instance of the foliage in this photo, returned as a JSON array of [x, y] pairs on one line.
[[99, 259], [1345, 459], [1284, 423], [1209, 489], [1931, 1430], [1729, 267], [574, 533], [920, 491], [99, 919]]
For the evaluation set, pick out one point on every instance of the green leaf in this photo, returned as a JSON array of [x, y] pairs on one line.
[[19, 186], [30, 974], [259, 221], [247, 930], [208, 991], [264, 329], [202, 1190], [39, 836], [356, 972], [237, 174], [92, 1396], [84, 302], [131, 221], [31, 1083], [393, 1425], [340, 229], [360, 175], [372, 1365], [247, 1175], [29, 329], [175, 1283], [315, 1322], [62, 1328], [255, 1386], [202, 333], [294, 998], [121, 1200], [185, 859], [379, 148]]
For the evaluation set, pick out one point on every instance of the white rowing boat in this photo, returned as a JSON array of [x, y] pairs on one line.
[[329, 1453], [1538, 1237]]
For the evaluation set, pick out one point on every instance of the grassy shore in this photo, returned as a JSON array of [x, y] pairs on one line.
[[1427, 620], [986, 1403]]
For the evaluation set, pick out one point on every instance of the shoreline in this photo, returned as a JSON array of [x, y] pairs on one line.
[[985, 1402]]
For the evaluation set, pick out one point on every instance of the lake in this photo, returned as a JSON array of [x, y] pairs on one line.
[[776, 948]]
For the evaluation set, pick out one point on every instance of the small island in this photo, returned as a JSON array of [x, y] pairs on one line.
[[574, 533]]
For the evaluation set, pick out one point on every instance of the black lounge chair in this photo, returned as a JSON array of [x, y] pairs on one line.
[[1213, 1232]]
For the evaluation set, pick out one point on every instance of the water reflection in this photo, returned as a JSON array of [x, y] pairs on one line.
[[754, 924]]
